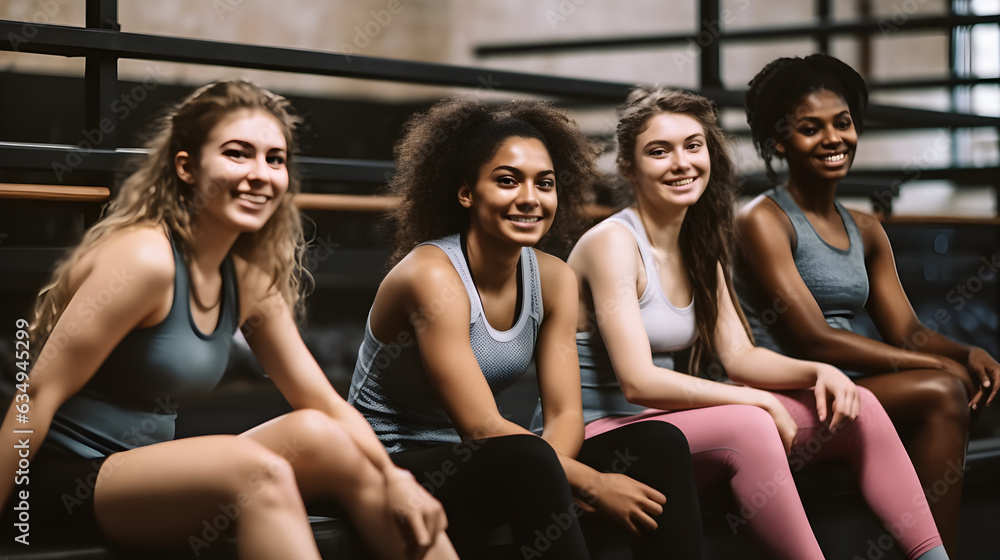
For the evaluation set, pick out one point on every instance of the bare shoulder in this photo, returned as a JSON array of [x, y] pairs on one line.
[[869, 225], [763, 215], [602, 240], [422, 275], [140, 253], [553, 271]]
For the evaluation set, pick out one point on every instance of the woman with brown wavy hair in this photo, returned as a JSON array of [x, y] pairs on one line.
[[202, 239], [654, 280]]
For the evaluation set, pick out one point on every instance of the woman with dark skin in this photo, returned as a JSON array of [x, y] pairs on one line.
[[467, 305], [799, 296], [202, 239]]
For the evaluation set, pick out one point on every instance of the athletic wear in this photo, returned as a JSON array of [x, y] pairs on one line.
[[390, 387], [669, 328], [132, 400], [837, 278], [741, 443]]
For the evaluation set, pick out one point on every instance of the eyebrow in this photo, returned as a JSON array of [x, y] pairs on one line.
[[517, 171], [811, 118], [688, 139], [248, 145]]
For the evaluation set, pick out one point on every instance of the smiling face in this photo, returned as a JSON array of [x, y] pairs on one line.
[[514, 198], [671, 161], [822, 140], [239, 176]]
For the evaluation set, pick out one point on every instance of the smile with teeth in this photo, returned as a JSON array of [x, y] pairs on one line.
[[834, 158], [255, 198], [681, 182], [524, 219]]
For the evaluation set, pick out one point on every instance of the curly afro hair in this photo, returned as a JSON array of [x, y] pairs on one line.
[[444, 147]]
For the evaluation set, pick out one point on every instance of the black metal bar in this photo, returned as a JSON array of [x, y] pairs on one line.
[[74, 41], [931, 83], [101, 77], [710, 58], [823, 15], [884, 26]]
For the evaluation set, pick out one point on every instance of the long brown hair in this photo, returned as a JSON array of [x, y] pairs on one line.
[[707, 233], [445, 146], [154, 195]]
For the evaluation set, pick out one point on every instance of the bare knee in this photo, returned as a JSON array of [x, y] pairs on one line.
[[311, 435], [946, 398], [259, 474]]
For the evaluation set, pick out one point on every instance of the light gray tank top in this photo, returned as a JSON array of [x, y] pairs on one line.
[[668, 327], [390, 387], [837, 278]]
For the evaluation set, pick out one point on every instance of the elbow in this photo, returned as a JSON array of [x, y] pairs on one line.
[[633, 392]]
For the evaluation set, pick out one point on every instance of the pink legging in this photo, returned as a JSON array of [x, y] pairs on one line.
[[741, 442]]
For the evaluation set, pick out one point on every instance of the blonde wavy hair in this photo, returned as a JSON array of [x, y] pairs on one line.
[[154, 195]]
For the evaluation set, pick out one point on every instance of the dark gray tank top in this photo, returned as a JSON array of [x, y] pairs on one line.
[[133, 398], [837, 278]]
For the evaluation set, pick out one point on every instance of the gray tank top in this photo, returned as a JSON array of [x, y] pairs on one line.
[[133, 398], [668, 327], [837, 278], [390, 387]]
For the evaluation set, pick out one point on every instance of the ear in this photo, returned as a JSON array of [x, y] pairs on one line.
[[182, 164], [779, 147], [465, 196]]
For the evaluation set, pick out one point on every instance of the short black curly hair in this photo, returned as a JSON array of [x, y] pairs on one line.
[[780, 85], [444, 147]]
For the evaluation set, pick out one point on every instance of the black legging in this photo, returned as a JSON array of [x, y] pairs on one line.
[[657, 454], [506, 497]]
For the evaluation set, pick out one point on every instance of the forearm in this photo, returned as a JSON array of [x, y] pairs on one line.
[[19, 446], [923, 339], [579, 476], [852, 351], [670, 390], [764, 369]]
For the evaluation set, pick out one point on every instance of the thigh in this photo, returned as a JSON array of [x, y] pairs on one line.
[[163, 494]]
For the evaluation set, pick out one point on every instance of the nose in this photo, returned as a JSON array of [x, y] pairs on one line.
[[679, 161], [259, 169], [527, 195], [831, 136]]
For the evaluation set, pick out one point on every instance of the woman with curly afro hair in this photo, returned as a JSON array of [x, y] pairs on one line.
[[467, 306]]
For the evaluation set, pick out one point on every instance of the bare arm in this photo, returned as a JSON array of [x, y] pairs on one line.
[[85, 335], [275, 341], [417, 287], [764, 369], [618, 497], [768, 254], [607, 259], [898, 324]]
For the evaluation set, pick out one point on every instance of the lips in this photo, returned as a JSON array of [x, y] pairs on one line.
[[524, 219], [834, 160], [254, 198]]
